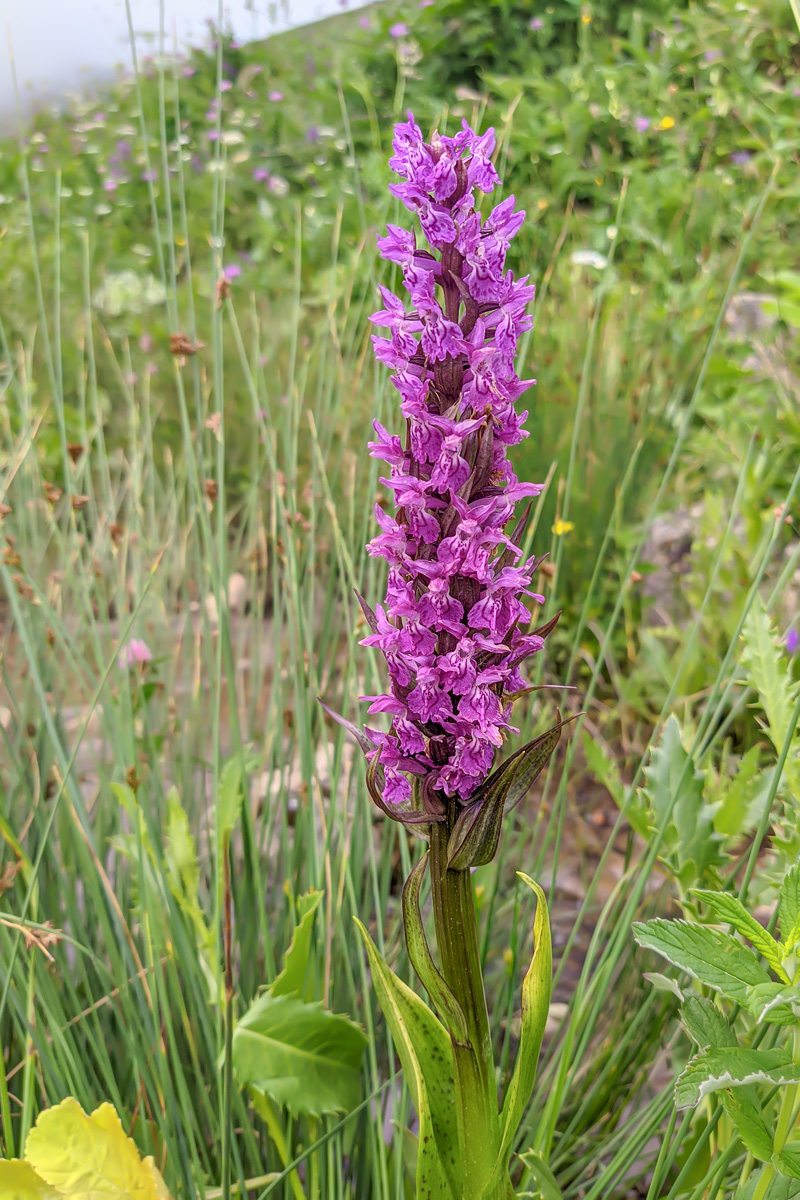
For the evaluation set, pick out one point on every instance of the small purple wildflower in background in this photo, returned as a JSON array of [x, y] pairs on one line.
[[398, 30], [225, 85], [150, 176], [793, 640], [712, 55], [232, 272], [453, 628], [365, 22], [741, 157], [260, 174], [642, 124], [276, 97], [312, 134], [133, 654], [536, 23]]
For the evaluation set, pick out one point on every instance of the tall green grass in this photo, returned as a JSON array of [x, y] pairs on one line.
[[124, 1004]]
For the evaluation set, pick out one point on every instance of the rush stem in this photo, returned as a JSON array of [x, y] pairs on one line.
[[475, 1086]]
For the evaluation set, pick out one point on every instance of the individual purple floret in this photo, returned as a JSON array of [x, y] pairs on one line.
[[453, 627]]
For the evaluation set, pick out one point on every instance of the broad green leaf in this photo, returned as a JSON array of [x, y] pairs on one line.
[[774, 1003], [546, 1183], [675, 792], [292, 978], [766, 664], [427, 1057], [713, 1069], [705, 1024], [421, 960], [300, 1054], [19, 1181], [89, 1157], [789, 903], [712, 958], [788, 1161], [742, 1106], [535, 1006], [730, 909]]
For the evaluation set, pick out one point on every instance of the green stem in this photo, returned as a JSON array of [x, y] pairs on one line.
[[473, 1064]]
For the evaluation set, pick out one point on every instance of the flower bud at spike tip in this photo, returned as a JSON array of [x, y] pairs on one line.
[[453, 625]]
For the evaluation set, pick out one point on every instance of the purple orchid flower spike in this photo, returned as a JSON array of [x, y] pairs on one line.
[[454, 626]]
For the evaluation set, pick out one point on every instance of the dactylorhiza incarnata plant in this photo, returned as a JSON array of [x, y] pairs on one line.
[[454, 631]]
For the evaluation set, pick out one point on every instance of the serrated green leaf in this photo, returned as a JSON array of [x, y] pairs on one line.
[[422, 961], [292, 978], [89, 1157], [788, 1161], [769, 674], [705, 1024], [730, 909], [711, 1070], [774, 1003], [789, 903], [19, 1181], [742, 1106], [427, 1057], [546, 1183], [536, 988], [229, 802], [710, 957], [299, 1054]]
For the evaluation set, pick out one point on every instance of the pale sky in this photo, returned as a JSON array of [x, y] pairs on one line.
[[60, 44]]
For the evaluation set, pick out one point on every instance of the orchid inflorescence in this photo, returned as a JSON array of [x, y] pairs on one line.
[[453, 629]]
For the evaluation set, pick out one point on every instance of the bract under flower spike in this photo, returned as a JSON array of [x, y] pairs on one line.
[[454, 627]]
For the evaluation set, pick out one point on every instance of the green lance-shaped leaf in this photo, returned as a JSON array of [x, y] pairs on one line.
[[710, 957], [425, 1051], [788, 1161], [744, 1109], [300, 1055], [729, 1067], [422, 961], [476, 833], [730, 909], [535, 1006], [705, 1024], [291, 980]]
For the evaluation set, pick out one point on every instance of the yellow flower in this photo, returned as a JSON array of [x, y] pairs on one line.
[[586, 18], [180, 241], [542, 203], [562, 527], [666, 123]]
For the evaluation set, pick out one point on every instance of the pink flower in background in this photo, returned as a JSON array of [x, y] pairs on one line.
[[232, 272], [642, 124], [276, 97], [398, 30], [260, 174], [536, 24], [135, 653], [793, 641]]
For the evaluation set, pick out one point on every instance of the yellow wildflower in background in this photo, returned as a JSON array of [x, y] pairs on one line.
[[666, 123], [562, 527]]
